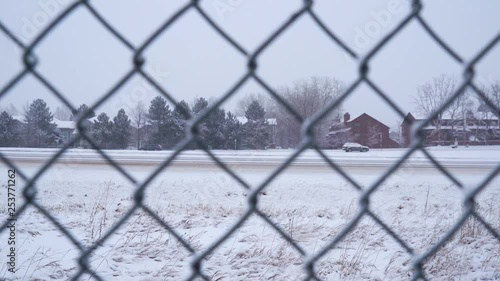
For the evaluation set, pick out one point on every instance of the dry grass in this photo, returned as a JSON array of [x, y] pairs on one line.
[[257, 252]]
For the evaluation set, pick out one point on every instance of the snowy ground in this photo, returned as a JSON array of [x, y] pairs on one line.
[[309, 202]]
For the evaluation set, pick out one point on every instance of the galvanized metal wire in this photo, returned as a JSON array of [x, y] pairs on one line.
[[29, 191]]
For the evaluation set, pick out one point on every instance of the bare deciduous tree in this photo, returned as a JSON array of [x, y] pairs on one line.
[[307, 97], [11, 110], [395, 132], [244, 103], [430, 97], [374, 137], [139, 120], [492, 92], [62, 113], [455, 110]]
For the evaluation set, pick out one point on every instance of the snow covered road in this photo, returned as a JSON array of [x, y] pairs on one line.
[[472, 157]]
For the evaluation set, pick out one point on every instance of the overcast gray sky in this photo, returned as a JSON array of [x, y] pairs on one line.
[[83, 60]]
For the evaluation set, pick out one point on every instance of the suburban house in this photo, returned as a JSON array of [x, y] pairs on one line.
[[363, 129], [472, 129], [271, 122], [66, 129]]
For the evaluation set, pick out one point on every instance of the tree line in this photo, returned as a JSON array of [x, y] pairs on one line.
[[158, 124], [164, 124]]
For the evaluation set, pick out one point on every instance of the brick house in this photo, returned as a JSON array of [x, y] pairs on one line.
[[364, 130]]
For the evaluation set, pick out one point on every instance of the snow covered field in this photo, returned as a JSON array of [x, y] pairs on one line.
[[309, 201]]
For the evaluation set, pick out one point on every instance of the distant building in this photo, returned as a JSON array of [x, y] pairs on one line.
[[271, 122], [471, 130], [66, 128], [364, 130], [406, 130]]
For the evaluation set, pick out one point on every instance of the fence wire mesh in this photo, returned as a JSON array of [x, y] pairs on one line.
[[29, 191]]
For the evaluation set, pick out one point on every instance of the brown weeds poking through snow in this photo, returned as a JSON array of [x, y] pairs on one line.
[[472, 249], [142, 249], [98, 220]]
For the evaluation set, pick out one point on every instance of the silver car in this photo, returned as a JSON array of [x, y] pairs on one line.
[[352, 146]]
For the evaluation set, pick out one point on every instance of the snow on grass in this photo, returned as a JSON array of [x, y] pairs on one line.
[[311, 206]]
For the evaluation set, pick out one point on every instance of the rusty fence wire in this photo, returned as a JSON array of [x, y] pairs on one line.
[[29, 191]]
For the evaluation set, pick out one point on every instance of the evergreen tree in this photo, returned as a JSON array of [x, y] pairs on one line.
[[212, 129], [199, 105], [39, 127], [159, 115], [121, 129], [256, 130], [103, 130], [180, 115], [232, 131], [255, 111], [9, 131], [83, 108]]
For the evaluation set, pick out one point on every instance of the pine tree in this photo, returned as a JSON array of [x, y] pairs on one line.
[[213, 129], [103, 130], [256, 130], [180, 115], [83, 108], [255, 111], [121, 129], [199, 105], [39, 129], [9, 130], [232, 131], [159, 114]]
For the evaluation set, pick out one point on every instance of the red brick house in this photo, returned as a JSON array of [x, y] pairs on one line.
[[364, 130]]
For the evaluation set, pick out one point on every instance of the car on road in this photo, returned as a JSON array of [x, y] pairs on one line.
[[151, 147], [272, 146], [352, 146]]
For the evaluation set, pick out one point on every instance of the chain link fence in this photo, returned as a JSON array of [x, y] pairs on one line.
[[29, 191]]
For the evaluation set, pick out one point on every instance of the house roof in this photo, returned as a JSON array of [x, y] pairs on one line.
[[64, 124], [59, 123], [19, 118], [458, 128], [243, 120], [364, 114], [409, 118], [446, 116]]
